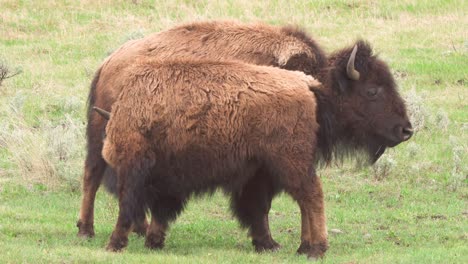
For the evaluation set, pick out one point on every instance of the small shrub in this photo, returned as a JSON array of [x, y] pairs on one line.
[[384, 166], [18, 100], [137, 34], [72, 104], [6, 73], [413, 149], [464, 127], [459, 170], [415, 169], [442, 120], [416, 109]]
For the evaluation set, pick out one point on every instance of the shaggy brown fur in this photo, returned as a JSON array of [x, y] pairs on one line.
[[189, 127], [285, 47]]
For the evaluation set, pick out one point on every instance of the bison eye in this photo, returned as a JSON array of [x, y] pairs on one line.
[[372, 93]]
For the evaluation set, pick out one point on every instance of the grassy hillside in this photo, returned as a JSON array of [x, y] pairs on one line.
[[409, 208]]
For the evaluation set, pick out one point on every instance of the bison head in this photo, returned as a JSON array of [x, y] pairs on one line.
[[369, 109]]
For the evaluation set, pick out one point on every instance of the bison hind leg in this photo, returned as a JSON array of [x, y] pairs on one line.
[[251, 205], [94, 168]]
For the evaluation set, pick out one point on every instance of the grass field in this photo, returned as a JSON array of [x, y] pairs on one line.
[[409, 208]]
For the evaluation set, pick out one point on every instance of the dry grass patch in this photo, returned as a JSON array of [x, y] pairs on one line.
[[47, 154]]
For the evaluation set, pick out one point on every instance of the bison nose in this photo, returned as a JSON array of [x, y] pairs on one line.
[[403, 132], [406, 133]]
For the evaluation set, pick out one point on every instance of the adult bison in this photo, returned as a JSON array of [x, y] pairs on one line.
[[184, 126], [284, 47]]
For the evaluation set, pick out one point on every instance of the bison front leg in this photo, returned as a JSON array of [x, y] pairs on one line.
[[140, 227], [164, 209], [251, 205], [314, 231], [155, 234], [130, 206], [119, 237]]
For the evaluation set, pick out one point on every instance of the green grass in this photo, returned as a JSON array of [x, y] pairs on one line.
[[410, 208]]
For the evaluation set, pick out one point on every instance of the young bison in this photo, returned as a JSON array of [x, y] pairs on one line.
[[188, 127], [260, 44]]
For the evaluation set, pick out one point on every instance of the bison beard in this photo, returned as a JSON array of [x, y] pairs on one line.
[[190, 127]]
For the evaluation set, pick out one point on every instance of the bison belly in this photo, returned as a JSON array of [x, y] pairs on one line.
[[197, 170]]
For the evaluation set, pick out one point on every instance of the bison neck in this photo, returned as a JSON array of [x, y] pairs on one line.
[[326, 138]]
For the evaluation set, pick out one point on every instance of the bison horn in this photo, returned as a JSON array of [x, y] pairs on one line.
[[350, 70], [102, 112]]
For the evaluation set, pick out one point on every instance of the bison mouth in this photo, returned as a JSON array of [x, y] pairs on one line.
[[397, 135], [378, 147]]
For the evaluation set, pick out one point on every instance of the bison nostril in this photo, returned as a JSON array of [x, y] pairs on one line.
[[407, 132]]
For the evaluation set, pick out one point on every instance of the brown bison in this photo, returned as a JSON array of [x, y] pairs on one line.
[[186, 127], [284, 47]]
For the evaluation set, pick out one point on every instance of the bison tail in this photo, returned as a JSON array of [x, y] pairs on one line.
[[92, 93]]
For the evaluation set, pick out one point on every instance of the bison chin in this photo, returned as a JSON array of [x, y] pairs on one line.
[[377, 146], [375, 150]]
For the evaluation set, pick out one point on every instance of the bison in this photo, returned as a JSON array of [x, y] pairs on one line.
[[284, 47], [183, 127]]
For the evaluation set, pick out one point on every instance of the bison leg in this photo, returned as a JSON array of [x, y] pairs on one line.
[[93, 173], [131, 206], [110, 182], [140, 226], [163, 210], [155, 234], [94, 169], [251, 206], [309, 196]]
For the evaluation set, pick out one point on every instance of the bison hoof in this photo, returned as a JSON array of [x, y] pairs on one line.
[[116, 245], [85, 230], [154, 241], [267, 245], [313, 251]]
